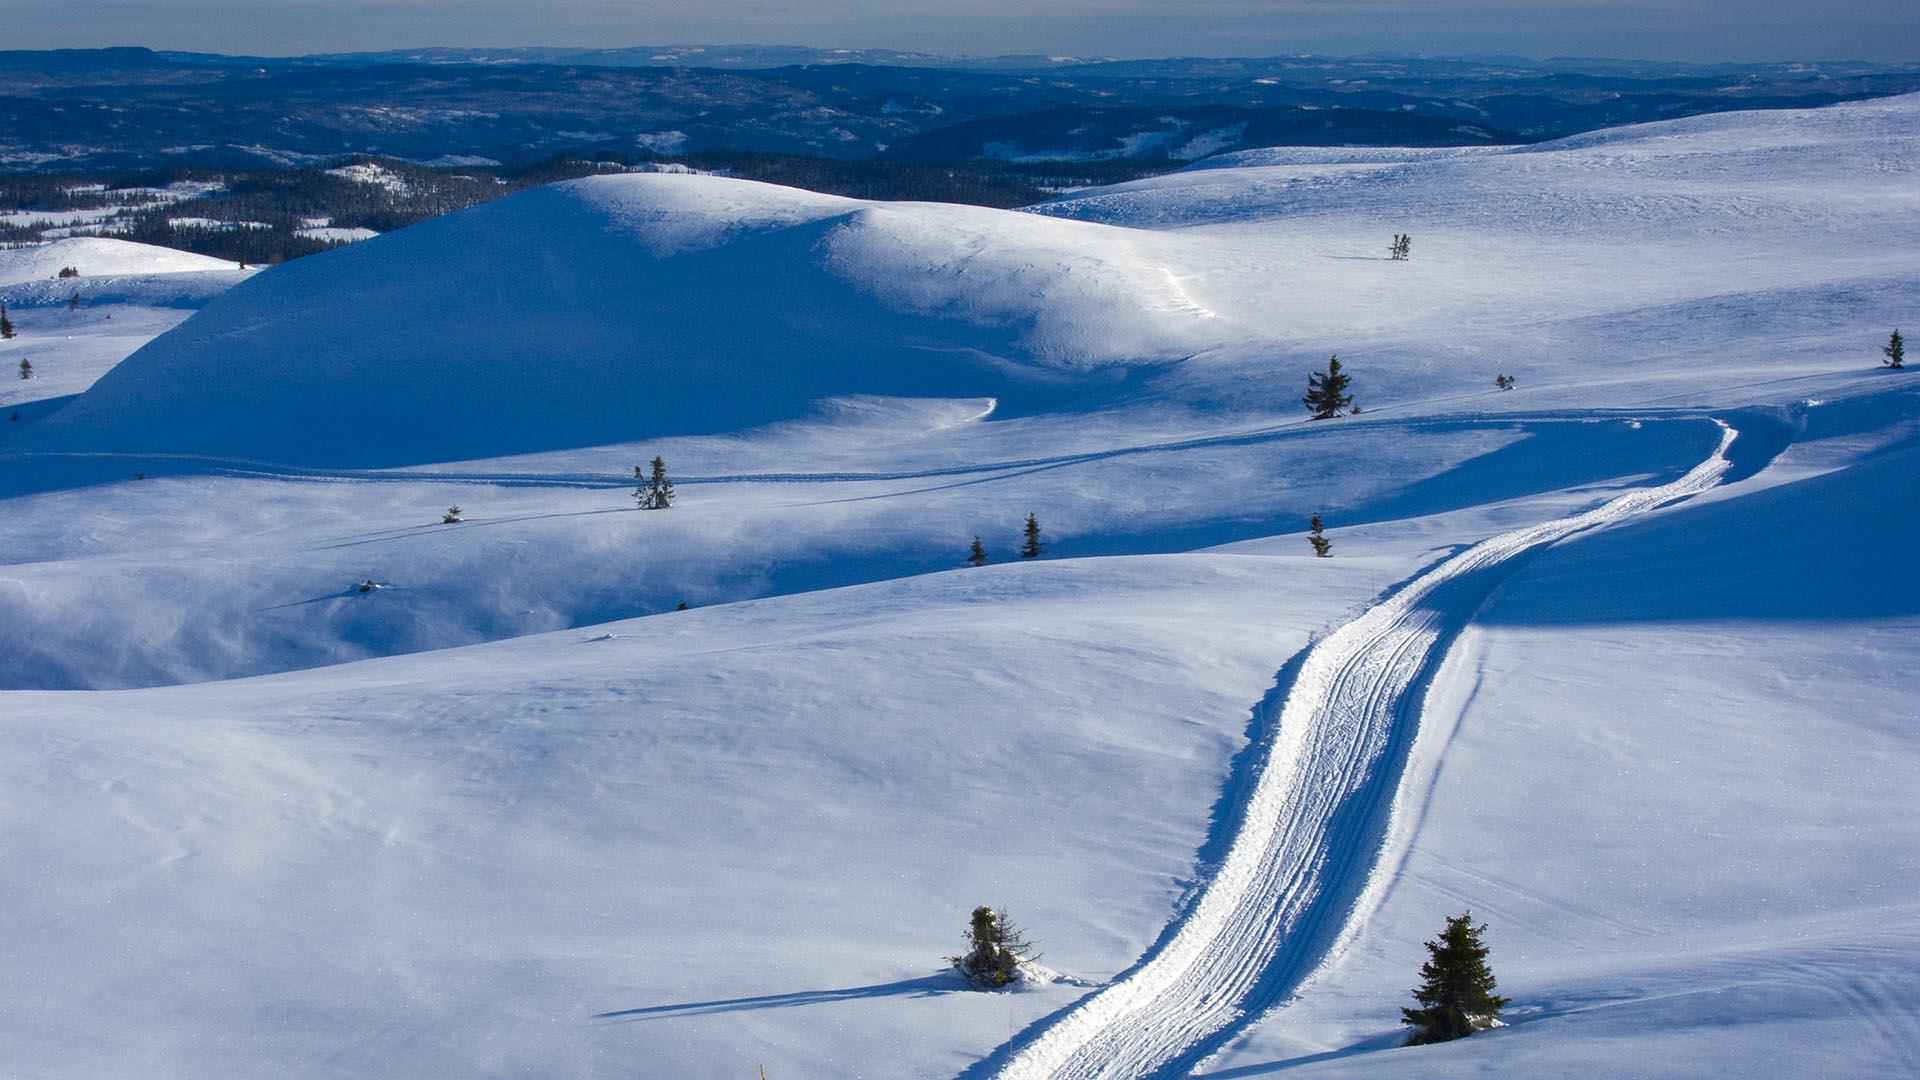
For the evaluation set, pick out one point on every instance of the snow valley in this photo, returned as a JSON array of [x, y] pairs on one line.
[[357, 720]]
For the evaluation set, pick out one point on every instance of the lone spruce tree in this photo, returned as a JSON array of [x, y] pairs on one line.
[[1031, 549], [6, 324], [1456, 995], [1327, 392], [26, 369], [1322, 546], [1895, 351], [995, 950], [978, 554], [653, 491]]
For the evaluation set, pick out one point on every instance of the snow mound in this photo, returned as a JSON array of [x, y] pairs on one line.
[[628, 307], [96, 256]]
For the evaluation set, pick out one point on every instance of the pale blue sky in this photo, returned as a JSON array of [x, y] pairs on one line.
[[1649, 29]]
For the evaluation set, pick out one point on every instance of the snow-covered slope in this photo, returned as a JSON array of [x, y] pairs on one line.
[[619, 308], [1661, 752], [95, 256]]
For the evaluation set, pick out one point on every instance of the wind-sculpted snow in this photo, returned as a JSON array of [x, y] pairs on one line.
[[1310, 827], [632, 307]]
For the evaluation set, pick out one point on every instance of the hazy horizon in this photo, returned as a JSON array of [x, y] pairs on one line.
[[1686, 31]]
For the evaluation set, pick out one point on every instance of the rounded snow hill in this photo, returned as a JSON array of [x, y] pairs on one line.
[[621, 308], [99, 256]]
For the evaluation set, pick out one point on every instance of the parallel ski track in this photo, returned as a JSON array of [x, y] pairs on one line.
[[1310, 831]]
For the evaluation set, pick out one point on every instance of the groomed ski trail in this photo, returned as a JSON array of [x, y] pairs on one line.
[[1310, 831]]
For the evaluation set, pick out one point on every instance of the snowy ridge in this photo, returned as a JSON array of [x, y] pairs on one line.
[[1306, 831]]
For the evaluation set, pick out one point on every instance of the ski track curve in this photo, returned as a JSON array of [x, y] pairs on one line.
[[1309, 833]]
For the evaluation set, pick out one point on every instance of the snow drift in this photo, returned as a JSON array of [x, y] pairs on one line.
[[620, 308]]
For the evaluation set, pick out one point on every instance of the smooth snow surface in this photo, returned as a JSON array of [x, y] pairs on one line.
[[1621, 660], [96, 256]]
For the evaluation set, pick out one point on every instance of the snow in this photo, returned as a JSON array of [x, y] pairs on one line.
[[1640, 699], [371, 174], [98, 257], [342, 235]]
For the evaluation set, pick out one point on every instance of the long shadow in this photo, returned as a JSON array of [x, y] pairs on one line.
[[416, 531], [927, 986], [1389, 1041]]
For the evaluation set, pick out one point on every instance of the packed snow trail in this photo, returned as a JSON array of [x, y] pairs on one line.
[[1311, 828]]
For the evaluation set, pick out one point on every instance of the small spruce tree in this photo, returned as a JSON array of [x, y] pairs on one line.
[[1400, 246], [451, 516], [26, 369], [6, 324], [978, 554], [655, 491], [1327, 392], [1895, 351], [73, 301], [69, 271], [1456, 992], [995, 950], [1031, 549], [1322, 546], [1504, 382]]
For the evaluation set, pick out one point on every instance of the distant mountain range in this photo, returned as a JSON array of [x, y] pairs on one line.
[[126, 108]]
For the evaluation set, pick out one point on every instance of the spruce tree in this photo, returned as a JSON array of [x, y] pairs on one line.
[[1456, 993], [1896, 351], [73, 302], [1327, 392], [978, 555], [995, 950], [1031, 549], [451, 517], [6, 324], [1322, 546], [26, 369], [658, 494]]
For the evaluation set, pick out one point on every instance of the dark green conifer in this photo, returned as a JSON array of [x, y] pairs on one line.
[[1031, 549], [1456, 993], [6, 324], [978, 555], [1327, 392], [1895, 351], [26, 369], [995, 950], [653, 491], [1322, 546]]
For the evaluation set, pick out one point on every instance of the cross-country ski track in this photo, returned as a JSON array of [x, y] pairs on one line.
[[1310, 830]]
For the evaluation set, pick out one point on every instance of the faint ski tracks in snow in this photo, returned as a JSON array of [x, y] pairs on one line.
[[1310, 831]]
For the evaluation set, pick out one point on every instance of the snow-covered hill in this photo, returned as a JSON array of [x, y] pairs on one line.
[[96, 256], [1619, 659]]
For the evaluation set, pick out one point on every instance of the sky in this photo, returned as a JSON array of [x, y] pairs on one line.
[[1692, 30]]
